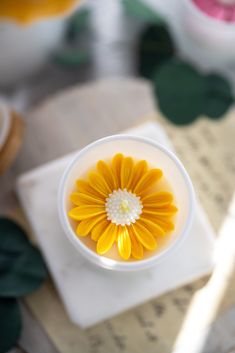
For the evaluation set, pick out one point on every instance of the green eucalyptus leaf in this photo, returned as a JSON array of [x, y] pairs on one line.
[[180, 90], [12, 242], [218, 96], [71, 59], [141, 11], [25, 276], [10, 323], [77, 23], [12, 237], [21, 265], [155, 48], [6, 261]]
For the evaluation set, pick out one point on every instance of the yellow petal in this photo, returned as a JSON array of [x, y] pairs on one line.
[[144, 236], [161, 211], [126, 171], [98, 183], [79, 198], [147, 180], [107, 239], [157, 199], [75, 199], [98, 229], [85, 188], [163, 222], [116, 167], [137, 250], [86, 226], [124, 243], [82, 212], [139, 170], [153, 227], [105, 170]]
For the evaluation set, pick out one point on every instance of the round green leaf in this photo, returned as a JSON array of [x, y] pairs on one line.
[[155, 48], [10, 323], [180, 91], [12, 237], [6, 261], [77, 23], [218, 96], [21, 265], [12, 242], [140, 10], [25, 276], [70, 59]]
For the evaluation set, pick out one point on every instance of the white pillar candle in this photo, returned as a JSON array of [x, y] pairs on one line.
[[206, 39]]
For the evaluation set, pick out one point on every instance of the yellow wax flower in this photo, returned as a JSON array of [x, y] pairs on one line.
[[26, 11], [117, 204]]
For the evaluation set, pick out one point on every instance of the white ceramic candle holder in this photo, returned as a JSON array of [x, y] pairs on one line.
[[25, 48], [207, 40], [138, 148]]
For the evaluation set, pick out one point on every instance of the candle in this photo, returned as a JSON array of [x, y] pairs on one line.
[[26, 11], [206, 34], [30, 31], [123, 208], [223, 10], [125, 202]]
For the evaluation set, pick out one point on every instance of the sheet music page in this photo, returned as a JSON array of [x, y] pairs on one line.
[[207, 149]]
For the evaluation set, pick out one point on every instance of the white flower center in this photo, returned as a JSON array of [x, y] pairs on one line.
[[123, 207]]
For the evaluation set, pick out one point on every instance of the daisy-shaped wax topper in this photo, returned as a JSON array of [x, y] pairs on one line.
[[118, 205]]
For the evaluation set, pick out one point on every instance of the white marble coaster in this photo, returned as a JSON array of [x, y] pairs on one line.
[[92, 295]]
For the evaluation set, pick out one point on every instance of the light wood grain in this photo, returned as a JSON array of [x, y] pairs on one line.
[[11, 147]]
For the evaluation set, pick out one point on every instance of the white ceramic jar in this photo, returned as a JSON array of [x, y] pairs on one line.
[[206, 40], [138, 148], [25, 48]]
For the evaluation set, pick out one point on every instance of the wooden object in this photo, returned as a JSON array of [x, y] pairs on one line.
[[12, 144]]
